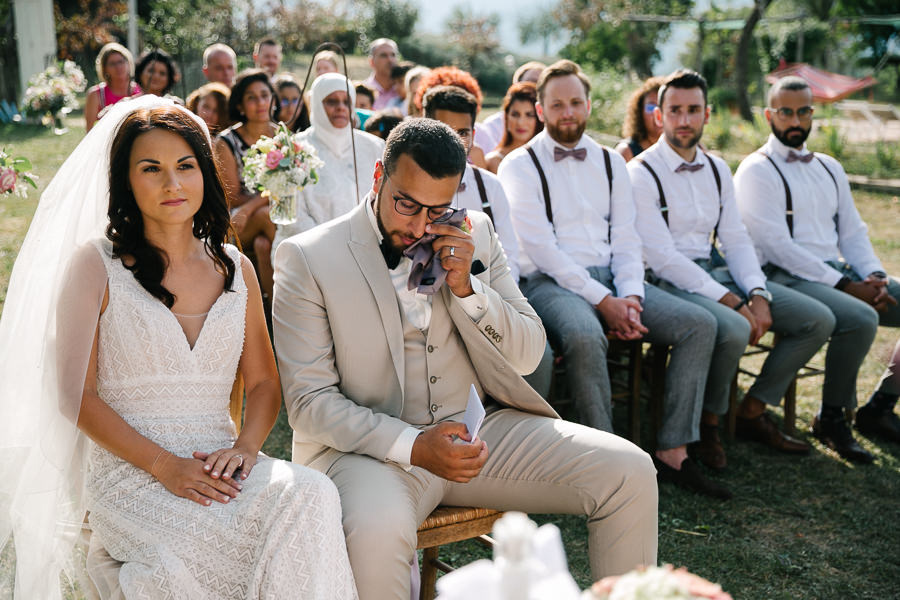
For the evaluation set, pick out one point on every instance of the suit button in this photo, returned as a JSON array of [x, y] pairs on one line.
[[434, 408], [432, 379], [431, 348]]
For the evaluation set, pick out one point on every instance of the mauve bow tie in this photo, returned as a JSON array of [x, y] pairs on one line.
[[804, 158], [561, 153], [688, 167]]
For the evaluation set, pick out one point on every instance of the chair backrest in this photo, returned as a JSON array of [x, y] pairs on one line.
[[236, 406]]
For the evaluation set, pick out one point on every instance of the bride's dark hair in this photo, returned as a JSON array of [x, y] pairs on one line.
[[126, 224]]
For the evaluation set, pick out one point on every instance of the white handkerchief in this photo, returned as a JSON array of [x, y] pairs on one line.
[[474, 413]]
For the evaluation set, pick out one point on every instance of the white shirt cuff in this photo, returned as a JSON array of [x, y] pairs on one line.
[[713, 290], [476, 305], [632, 289], [831, 276], [401, 450], [594, 291]]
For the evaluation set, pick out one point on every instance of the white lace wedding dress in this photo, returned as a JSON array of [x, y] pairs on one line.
[[280, 538]]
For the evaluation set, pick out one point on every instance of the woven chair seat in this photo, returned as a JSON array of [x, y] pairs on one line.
[[447, 524]]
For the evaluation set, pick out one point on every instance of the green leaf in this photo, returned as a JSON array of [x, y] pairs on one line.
[[29, 181], [23, 162]]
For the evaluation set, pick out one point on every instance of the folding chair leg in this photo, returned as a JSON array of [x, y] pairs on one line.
[[635, 361], [790, 407], [732, 407]]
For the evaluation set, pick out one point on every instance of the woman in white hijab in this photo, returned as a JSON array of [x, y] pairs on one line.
[[331, 125]]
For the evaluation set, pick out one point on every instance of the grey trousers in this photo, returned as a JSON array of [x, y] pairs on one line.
[[855, 326], [803, 324], [535, 465], [574, 329]]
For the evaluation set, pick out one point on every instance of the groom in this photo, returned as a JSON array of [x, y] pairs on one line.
[[376, 378]]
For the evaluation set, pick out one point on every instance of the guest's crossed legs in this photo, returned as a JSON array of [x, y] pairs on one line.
[[574, 328], [535, 464], [856, 324], [803, 323]]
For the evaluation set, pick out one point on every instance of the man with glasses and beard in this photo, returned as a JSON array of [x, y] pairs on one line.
[[378, 364], [797, 207], [581, 269], [685, 210]]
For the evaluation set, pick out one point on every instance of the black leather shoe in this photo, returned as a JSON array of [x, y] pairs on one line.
[[836, 435], [709, 450], [884, 424], [690, 478], [763, 429]]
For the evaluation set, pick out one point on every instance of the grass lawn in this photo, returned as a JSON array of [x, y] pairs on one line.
[[799, 528]]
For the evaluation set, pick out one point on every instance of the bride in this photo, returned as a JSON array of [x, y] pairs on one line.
[[135, 344]]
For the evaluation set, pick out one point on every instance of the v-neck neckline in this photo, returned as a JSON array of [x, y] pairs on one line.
[[184, 335]]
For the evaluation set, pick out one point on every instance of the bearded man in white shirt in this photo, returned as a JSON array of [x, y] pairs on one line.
[[582, 271], [685, 204], [798, 209]]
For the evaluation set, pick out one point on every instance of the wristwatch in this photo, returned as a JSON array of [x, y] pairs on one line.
[[762, 293], [878, 274]]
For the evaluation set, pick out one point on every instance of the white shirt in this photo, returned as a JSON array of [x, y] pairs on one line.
[[489, 132], [493, 189], [579, 236], [416, 308], [816, 201], [693, 202]]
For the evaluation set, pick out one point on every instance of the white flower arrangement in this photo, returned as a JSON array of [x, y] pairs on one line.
[[279, 167], [656, 583], [52, 91], [15, 174]]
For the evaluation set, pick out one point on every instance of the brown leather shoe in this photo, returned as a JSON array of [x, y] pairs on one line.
[[709, 450], [763, 429], [690, 478]]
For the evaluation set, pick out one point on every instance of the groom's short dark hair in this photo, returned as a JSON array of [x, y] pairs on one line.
[[436, 148]]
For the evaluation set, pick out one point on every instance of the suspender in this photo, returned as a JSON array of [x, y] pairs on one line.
[[663, 207], [546, 189], [789, 200], [485, 203]]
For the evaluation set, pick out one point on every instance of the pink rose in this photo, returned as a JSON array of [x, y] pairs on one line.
[[296, 147], [273, 158], [8, 178]]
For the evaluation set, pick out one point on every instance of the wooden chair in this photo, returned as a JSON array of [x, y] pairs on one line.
[[445, 525], [790, 397]]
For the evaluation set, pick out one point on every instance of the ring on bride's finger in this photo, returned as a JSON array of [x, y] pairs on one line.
[[452, 251], [240, 457]]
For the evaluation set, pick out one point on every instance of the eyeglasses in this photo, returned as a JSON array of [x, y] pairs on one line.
[[409, 207], [649, 107], [804, 113], [289, 101]]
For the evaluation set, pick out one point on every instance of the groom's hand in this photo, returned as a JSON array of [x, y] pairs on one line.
[[459, 264], [435, 451]]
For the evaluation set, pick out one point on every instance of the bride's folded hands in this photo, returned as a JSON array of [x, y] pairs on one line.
[[228, 463], [187, 478]]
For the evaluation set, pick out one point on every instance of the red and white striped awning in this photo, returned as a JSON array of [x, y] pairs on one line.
[[826, 87]]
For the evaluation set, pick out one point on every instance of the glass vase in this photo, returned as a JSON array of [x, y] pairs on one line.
[[283, 205], [59, 128]]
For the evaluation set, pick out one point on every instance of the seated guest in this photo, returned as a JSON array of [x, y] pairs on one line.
[[799, 211], [365, 96], [291, 109], [411, 86], [685, 203], [398, 76], [382, 58], [489, 133], [519, 119], [376, 377], [336, 192], [382, 123], [641, 129], [251, 107], [327, 62], [877, 418], [582, 271], [115, 69], [482, 191], [220, 64], [267, 56], [455, 77], [210, 103], [156, 73]]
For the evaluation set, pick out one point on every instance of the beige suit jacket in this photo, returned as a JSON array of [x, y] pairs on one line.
[[339, 338]]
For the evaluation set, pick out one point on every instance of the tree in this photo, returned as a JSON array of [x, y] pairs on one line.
[[605, 34], [875, 39], [475, 35], [395, 19], [743, 52], [542, 25]]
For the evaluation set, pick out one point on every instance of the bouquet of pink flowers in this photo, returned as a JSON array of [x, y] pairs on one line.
[[656, 583], [279, 167], [15, 173], [52, 91]]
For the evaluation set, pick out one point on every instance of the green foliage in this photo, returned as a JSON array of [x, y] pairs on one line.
[[542, 25], [602, 37], [185, 27], [475, 35], [395, 19], [609, 99]]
